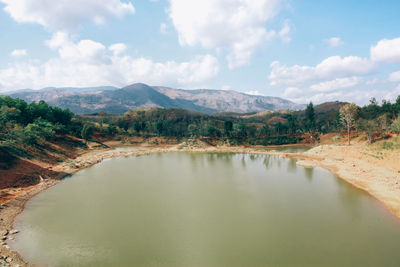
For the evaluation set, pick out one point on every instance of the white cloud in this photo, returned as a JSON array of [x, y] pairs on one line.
[[163, 28], [235, 25], [292, 93], [392, 95], [89, 63], [336, 84], [19, 52], [394, 76], [66, 15], [117, 49], [85, 51], [360, 97], [340, 78], [387, 51], [286, 31], [334, 42], [332, 67], [254, 92]]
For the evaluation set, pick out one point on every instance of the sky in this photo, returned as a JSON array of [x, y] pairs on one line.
[[314, 50]]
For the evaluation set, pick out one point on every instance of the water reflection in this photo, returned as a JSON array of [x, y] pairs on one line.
[[292, 165], [309, 172], [202, 209]]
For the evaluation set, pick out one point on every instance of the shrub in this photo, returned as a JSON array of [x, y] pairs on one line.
[[336, 138], [396, 125], [387, 145]]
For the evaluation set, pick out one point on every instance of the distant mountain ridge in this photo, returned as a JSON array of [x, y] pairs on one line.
[[117, 101]]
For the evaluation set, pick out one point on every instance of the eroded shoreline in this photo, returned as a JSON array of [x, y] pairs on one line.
[[357, 173]]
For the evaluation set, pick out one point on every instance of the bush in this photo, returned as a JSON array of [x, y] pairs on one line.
[[396, 125], [336, 138], [387, 145], [87, 131]]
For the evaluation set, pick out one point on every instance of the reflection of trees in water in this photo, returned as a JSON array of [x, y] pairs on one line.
[[309, 172], [267, 161], [270, 161], [213, 158], [291, 167], [243, 160], [350, 196], [278, 161], [226, 157], [194, 160]]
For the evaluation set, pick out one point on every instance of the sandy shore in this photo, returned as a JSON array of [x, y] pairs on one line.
[[352, 164]]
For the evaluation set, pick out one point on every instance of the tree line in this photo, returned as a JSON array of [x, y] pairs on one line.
[[35, 123]]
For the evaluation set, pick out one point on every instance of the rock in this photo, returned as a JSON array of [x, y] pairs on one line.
[[6, 247], [9, 260], [12, 232], [3, 238], [4, 232]]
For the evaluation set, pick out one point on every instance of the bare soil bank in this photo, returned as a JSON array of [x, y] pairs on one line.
[[362, 166]]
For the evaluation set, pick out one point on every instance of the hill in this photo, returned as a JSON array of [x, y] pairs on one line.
[[118, 101]]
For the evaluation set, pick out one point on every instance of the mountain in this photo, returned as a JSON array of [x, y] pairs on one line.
[[117, 101]]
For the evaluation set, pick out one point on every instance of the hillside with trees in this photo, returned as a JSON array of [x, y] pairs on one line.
[[26, 127]]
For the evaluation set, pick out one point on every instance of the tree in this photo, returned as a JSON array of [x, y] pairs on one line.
[[396, 125], [192, 128], [372, 110], [87, 131], [111, 130], [212, 131], [309, 121], [292, 124], [348, 114], [265, 130], [241, 130], [370, 127], [228, 127], [159, 127], [279, 128]]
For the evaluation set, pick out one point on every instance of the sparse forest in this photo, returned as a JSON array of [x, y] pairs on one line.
[[23, 124]]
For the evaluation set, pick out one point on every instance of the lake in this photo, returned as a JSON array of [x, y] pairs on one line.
[[206, 209]]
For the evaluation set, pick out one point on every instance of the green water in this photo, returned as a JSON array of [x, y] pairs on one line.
[[200, 209]]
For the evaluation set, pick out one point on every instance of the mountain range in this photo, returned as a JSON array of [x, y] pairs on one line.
[[114, 100]]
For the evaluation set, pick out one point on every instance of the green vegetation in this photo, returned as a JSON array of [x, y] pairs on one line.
[[396, 125], [28, 126], [24, 125], [348, 115]]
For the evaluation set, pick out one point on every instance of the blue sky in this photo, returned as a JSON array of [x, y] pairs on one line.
[[301, 50]]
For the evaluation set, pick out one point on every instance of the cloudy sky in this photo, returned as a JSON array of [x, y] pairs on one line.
[[315, 50]]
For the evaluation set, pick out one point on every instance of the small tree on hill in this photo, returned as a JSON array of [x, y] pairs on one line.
[[193, 131], [309, 121], [370, 127], [396, 125], [228, 127], [87, 131], [348, 114]]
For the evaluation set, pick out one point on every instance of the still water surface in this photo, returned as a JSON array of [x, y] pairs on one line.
[[203, 209]]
